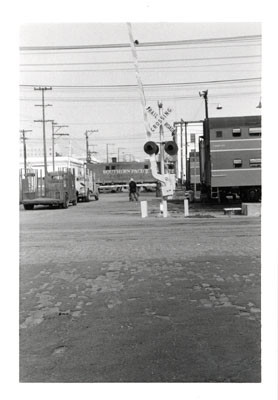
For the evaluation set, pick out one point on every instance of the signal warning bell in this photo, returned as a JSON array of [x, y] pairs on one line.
[[151, 148], [171, 148]]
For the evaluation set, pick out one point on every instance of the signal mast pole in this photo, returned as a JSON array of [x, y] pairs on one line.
[[161, 138]]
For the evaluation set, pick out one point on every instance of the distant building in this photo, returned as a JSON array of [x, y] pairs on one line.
[[187, 138], [35, 152], [194, 168], [37, 163]]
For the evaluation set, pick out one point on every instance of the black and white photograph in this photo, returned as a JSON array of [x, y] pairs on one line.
[[140, 194]]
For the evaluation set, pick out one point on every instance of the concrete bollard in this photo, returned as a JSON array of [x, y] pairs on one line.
[[165, 210], [251, 209], [186, 211], [144, 209], [160, 208]]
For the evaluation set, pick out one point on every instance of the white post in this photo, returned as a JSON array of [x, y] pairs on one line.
[[163, 208], [144, 209], [186, 213]]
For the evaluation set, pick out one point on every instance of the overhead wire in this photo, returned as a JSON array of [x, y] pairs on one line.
[[133, 99], [151, 85], [150, 70], [107, 51], [144, 44], [147, 61]]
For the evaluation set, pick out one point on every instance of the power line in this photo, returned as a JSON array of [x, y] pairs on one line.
[[145, 61], [144, 44], [146, 50], [133, 99], [153, 85], [150, 70]]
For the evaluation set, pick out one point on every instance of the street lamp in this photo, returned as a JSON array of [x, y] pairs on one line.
[[218, 105]]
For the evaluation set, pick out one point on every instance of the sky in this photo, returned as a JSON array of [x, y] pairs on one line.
[[96, 88]]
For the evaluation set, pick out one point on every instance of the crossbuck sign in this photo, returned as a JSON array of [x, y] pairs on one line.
[[160, 119]]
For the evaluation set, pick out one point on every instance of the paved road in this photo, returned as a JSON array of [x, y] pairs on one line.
[[106, 296]]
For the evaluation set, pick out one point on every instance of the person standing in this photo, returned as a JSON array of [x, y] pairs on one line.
[[133, 190]]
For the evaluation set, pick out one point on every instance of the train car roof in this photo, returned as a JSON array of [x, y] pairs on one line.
[[234, 122]]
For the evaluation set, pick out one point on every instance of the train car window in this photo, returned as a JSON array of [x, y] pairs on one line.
[[146, 166], [113, 167], [237, 163], [255, 131], [255, 163], [237, 132], [107, 167], [219, 134]]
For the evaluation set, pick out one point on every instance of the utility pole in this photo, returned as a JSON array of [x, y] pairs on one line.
[[23, 131], [87, 147], [88, 158], [43, 89], [55, 125]]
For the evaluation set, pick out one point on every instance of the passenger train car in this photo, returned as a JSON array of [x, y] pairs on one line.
[[235, 155]]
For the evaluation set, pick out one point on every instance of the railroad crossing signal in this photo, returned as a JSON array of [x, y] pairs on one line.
[[152, 148], [171, 148], [160, 119]]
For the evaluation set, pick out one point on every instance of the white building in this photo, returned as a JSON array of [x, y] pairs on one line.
[[37, 163], [187, 138]]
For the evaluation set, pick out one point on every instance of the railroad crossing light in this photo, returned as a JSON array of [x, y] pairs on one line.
[[151, 148], [171, 148]]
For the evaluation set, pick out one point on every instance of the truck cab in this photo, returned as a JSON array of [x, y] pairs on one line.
[[86, 187]]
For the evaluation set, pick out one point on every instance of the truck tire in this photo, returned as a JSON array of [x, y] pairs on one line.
[[28, 206]]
